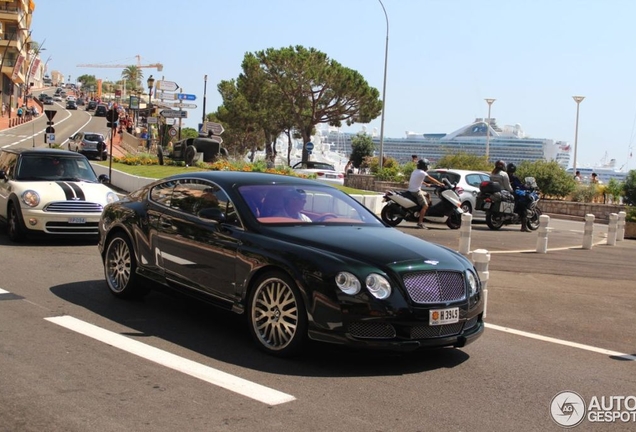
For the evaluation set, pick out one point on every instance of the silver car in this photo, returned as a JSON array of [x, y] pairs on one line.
[[90, 144], [468, 180]]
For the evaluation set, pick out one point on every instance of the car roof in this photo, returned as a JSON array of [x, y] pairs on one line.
[[43, 152], [230, 179], [458, 171]]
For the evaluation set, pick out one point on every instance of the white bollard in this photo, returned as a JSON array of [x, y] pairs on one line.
[[611, 229], [464, 234], [588, 232], [620, 232], [481, 258], [544, 229]]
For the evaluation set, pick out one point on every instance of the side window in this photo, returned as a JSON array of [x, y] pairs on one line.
[[162, 193], [473, 179], [7, 163]]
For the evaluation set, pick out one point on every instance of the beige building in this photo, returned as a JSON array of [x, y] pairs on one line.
[[19, 57]]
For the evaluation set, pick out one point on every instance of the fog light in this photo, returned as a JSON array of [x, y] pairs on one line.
[[33, 221]]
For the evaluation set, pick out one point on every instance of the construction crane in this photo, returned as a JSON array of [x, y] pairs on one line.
[[158, 66]]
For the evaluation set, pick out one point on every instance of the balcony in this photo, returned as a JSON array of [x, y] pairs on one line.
[[10, 13]]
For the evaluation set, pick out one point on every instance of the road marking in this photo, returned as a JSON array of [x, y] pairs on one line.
[[604, 351], [3, 291], [213, 376]]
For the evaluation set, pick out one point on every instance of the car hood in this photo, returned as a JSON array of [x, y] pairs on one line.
[[373, 245], [50, 191]]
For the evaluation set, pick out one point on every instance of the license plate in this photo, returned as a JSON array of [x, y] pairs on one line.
[[443, 316], [76, 220], [486, 205]]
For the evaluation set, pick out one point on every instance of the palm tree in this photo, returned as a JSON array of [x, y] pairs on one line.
[[133, 74]]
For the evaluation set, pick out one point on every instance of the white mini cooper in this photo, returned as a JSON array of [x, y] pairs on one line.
[[50, 191]]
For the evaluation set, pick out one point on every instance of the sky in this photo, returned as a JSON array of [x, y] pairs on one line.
[[444, 57]]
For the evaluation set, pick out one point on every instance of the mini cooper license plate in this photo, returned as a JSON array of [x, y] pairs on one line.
[[76, 220], [443, 316], [486, 205]]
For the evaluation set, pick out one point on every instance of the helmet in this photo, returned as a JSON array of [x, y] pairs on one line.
[[500, 165], [423, 164], [511, 168]]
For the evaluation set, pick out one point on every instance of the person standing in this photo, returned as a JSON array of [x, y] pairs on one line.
[[521, 201], [419, 176], [4, 108], [577, 176]]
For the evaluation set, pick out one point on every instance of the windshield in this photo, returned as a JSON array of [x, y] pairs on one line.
[[316, 205], [55, 168], [94, 137]]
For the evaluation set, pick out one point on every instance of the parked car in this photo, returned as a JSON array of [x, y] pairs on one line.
[[469, 182], [324, 171], [299, 258], [91, 105], [90, 144], [50, 192], [101, 110], [70, 104]]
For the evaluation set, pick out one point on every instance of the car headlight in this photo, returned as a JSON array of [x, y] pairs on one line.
[[31, 198], [378, 286], [473, 285], [111, 197], [348, 283]]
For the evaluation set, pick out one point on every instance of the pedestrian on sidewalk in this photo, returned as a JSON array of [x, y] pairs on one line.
[[20, 112], [4, 108]]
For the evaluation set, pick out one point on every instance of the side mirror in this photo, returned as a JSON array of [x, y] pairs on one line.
[[103, 178], [3, 175], [212, 213]]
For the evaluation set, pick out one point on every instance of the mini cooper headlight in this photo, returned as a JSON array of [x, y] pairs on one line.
[[473, 285], [111, 197], [378, 286], [31, 198], [348, 283]]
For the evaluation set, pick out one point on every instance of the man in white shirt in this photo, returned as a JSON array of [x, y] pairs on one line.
[[419, 176], [293, 202]]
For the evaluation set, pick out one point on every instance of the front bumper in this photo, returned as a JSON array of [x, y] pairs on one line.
[[76, 224]]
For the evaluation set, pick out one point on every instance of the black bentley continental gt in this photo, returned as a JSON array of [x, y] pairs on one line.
[[299, 258]]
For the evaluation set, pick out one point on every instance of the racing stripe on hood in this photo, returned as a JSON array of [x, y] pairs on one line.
[[79, 193], [72, 191]]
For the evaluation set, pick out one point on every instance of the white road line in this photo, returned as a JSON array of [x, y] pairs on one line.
[[3, 291], [604, 351], [213, 376]]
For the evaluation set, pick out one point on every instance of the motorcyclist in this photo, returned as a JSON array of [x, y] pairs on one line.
[[419, 176], [521, 202], [500, 176]]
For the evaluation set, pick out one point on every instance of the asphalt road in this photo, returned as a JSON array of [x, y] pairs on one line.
[[166, 364]]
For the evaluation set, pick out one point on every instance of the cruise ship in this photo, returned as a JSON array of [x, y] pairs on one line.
[[508, 143], [604, 170]]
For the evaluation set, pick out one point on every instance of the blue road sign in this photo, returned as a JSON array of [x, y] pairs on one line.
[[185, 96], [309, 146]]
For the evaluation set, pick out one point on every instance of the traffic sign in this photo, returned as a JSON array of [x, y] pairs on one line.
[[174, 113], [216, 139], [50, 114], [186, 106], [167, 104], [50, 138], [215, 128], [166, 96], [49, 130], [184, 96], [309, 146], [172, 132], [167, 85]]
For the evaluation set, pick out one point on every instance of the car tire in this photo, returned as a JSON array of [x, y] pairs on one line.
[[276, 315], [467, 207], [16, 230], [190, 154], [160, 154], [120, 269]]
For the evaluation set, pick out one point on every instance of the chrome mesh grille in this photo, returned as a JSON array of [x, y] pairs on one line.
[[426, 332], [371, 330], [435, 286], [89, 228], [73, 207], [471, 322]]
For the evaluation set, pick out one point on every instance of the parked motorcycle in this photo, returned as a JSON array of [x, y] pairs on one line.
[[499, 205], [401, 205]]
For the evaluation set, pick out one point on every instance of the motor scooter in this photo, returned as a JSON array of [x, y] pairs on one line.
[[401, 205]]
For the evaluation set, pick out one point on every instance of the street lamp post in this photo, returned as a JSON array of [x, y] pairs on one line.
[[578, 100], [489, 101], [151, 83], [205, 86], [386, 57]]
